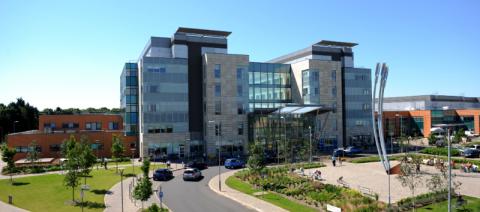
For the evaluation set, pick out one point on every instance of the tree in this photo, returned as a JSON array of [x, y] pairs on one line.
[[145, 167], [72, 180], [7, 157], [86, 158], [410, 174], [72, 153], [68, 145], [117, 149], [143, 190], [256, 160], [18, 115], [32, 154], [432, 139]]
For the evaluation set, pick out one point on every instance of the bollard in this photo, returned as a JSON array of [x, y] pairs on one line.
[[10, 199]]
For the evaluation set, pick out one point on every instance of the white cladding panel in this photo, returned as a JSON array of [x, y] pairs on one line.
[[180, 51], [159, 52]]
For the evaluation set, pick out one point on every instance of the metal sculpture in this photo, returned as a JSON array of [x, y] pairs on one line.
[[379, 138]]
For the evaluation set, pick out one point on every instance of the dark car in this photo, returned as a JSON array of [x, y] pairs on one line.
[[192, 174], [197, 165], [340, 153], [471, 153], [234, 163], [162, 174]]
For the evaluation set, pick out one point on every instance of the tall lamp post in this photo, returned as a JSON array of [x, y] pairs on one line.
[[285, 137], [310, 145], [217, 133]]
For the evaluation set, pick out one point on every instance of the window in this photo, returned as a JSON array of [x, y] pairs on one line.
[[334, 75], [240, 128], [366, 92], [218, 89], [334, 92], [70, 125], [365, 107], [316, 91], [218, 107], [21, 149], [54, 148], [151, 108], [93, 126], [153, 89], [315, 76], [239, 90], [239, 73], [217, 71], [218, 130], [240, 108], [113, 125]]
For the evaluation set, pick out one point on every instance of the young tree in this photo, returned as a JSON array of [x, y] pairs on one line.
[[410, 174], [256, 159], [145, 167], [32, 154], [72, 153], [117, 149], [72, 180], [143, 190], [68, 145], [86, 158], [7, 157]]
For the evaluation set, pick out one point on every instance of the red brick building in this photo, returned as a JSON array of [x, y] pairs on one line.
[[53, 130]]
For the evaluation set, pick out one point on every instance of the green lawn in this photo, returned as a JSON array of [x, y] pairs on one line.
[[47, 192], [273, 198], [372, 159], [473, 204]]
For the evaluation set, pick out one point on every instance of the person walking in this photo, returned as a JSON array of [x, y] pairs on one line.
[[334, 160]]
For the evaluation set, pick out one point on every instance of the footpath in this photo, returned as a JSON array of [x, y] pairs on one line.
[[244, 199], [113, 199]]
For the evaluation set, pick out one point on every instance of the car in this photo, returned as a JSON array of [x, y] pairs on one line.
[[471, 153], [162, 174], [339, 153], [197, 165], [192, 174], [353, 150], [234, 163]]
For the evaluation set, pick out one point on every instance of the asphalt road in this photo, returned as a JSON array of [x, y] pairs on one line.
[[185, 196]]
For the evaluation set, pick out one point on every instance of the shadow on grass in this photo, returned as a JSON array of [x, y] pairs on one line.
[[19, 183], [91, 205], [130, 175], [101, 191]]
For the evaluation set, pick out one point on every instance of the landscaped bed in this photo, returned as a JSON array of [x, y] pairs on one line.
[[47, 192], [296, 191]]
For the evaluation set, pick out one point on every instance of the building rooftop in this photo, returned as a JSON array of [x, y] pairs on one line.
[[335, 43], [432, 98], [203, 31]]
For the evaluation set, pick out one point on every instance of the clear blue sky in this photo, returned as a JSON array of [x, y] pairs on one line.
[[70, 53]]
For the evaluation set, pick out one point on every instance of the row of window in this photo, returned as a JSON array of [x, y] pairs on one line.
[[269, 94], [217, 72], [218, 108], [166, 129], [131, 81], [25, 149], [88, 125], [265, 78], [218, 129]]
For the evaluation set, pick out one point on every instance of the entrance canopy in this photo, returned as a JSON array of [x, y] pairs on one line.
[[302, 109]]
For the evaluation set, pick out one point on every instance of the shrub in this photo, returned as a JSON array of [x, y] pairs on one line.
[[439, 151]]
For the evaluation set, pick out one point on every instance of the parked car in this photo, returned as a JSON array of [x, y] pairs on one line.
[[471, 153], [353, 150], [234, 163], [197, 165], [339, 153], [192, 174], [162, 174]]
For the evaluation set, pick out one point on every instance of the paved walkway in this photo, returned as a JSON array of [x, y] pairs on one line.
[[244, 199], [372, 176], [113, 200]]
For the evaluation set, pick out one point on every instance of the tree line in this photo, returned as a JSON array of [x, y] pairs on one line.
[[20, 116]]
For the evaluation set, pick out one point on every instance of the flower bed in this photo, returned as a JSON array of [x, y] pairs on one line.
[[422, 200], [313, 193]]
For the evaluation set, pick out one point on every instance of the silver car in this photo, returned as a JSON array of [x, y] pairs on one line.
[[192, 174]]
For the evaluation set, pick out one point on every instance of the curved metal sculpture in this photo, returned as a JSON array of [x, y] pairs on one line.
[[381, 70]]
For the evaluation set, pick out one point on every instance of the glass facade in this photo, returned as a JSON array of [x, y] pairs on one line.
[[311, 86], [164, 95], [129, 98], [357, 108], [269, 85]]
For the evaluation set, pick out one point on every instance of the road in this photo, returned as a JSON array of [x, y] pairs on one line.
[[182, 195]]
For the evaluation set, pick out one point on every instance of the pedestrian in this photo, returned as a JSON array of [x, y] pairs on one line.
[[105, 164], [168, 164], [334, 160]]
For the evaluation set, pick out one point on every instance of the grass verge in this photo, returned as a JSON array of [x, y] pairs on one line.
[[47, 192], [473, 204], [273, 198]]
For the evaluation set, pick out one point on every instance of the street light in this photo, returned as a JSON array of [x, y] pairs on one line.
[[285, 138], [121, 185], [133, 159], [219, 153], [310, 145]]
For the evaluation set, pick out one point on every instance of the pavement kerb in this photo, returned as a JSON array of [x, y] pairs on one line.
[[127, 203], [242, 198]]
